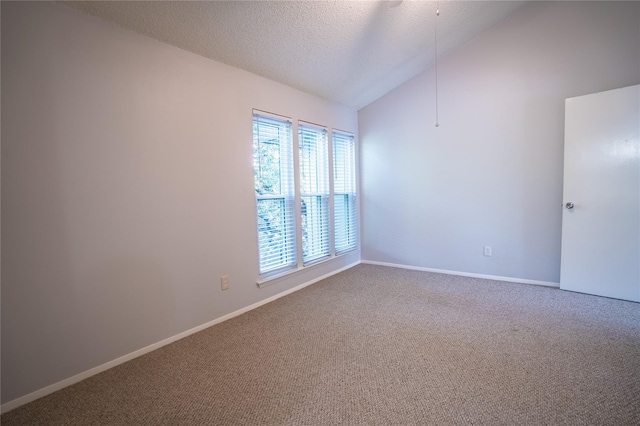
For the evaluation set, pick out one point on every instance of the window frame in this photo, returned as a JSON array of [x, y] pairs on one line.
[[286, 228], [315, 192], [296, 259], [346, 188]]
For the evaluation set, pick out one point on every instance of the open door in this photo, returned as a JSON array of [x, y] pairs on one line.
[[601, 211]]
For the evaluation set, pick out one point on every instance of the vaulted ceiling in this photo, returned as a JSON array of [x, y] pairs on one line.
[[351, 52]]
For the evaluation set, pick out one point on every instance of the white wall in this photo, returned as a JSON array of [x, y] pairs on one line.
[[491, 174], [127, 191]]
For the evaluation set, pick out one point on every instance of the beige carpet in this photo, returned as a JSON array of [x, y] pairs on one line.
[[381, 346]]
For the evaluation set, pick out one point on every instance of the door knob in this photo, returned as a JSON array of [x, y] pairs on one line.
[[569, 205]]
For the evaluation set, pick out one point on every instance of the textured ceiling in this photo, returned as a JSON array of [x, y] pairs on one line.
[[351, 52]]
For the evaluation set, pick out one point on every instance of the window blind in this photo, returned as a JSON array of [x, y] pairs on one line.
[[275, 195], [314, 192], [344, 195]]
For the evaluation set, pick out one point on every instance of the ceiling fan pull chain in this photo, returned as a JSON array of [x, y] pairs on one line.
[[435, 37]]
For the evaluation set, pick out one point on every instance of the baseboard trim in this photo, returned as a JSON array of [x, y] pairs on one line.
[[8, 406], [464, 274]]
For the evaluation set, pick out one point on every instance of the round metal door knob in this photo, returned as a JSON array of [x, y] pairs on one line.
[[569, 205]]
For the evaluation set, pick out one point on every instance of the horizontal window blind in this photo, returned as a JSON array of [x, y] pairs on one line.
[[344, 198], [275, 195], [314, 192]]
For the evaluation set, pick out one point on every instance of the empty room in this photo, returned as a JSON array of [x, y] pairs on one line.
[[320, 212]]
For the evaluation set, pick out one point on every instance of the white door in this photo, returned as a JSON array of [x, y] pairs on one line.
[[601, 214]]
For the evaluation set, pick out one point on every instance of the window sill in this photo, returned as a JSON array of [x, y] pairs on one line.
[[271, 279]]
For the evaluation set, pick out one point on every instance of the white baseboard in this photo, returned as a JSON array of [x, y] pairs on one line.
[[8, 406], [465, 274]]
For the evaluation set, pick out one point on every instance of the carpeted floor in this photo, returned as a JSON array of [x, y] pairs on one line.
[[381, 346]]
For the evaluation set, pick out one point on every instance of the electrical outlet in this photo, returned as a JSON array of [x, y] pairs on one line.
[[487, 251], [224, 282]]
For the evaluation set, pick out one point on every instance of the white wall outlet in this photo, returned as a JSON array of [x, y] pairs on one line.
[[224, 282], [487, 251]]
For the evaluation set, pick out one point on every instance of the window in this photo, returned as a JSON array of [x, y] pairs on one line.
[[314, 192], [344, 195], [305, 193], [275, 195]]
